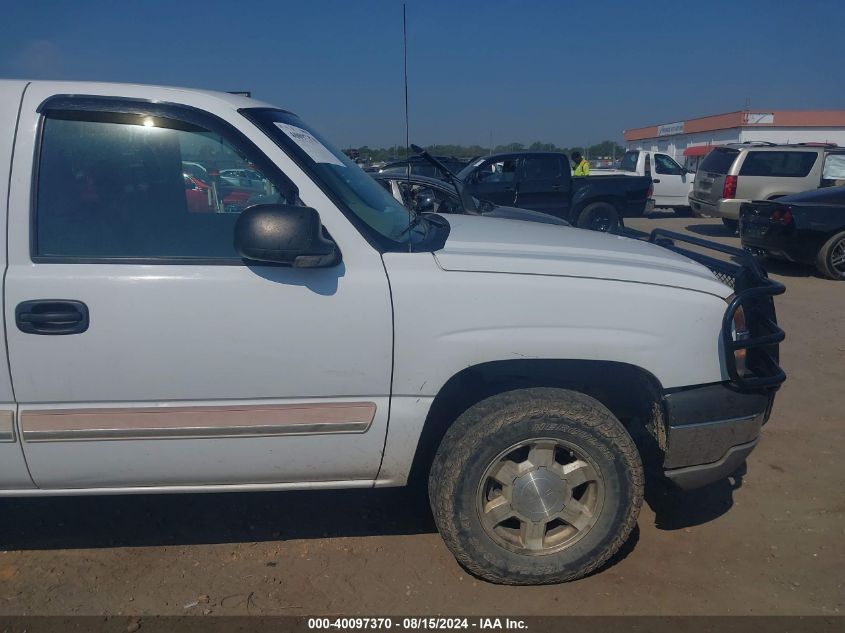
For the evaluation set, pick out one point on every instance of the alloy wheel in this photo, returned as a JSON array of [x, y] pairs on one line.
[[540, 496]]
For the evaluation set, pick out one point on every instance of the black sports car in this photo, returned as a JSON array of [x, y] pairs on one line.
[[807, 228]]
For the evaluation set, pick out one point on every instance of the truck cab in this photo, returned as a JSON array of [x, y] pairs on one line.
[[672, 182]]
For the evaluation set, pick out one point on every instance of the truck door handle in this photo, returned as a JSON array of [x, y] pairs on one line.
[[556, 187], [656, 180], [52, 317]]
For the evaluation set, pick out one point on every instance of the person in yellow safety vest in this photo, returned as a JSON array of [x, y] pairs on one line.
[[582, 167]]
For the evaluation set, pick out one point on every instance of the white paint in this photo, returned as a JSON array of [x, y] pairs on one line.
[[222, 335], [670, 189]]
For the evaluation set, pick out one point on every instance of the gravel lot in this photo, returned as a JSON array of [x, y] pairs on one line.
[[770, 541]]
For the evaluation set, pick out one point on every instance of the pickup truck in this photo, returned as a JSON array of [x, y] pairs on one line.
[[326, 337], [672, 183], [543, 181]]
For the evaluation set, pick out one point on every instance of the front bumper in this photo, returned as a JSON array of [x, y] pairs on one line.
[[710, 430]]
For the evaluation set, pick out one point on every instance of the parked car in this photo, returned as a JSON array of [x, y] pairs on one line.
[[422, 167], [672, 183], [738, 173], [432, 195], [195, 170], [199, 196], [807, 228], [243, 178], [543, 181], [321, 340]]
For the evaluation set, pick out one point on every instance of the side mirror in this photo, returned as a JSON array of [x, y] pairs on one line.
[[283, 234]]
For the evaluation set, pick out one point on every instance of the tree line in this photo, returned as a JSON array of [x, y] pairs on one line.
[[397, 152]]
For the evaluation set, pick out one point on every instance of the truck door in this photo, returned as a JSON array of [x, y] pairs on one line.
[[495, 180], [544, 185], [144, 351], [672, 184], [13, 473]]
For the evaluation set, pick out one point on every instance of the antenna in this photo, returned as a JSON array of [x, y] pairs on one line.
[[407, 126]]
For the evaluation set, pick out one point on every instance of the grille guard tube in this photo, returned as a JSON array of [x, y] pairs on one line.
[[753, 291]]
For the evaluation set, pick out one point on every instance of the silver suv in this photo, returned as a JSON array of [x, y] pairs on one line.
[[742, 172]]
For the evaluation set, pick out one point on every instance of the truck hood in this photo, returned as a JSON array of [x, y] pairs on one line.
[[493, 245]]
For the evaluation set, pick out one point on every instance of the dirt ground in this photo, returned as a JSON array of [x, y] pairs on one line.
[[769, 541]]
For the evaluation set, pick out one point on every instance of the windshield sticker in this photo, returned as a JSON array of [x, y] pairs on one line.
[[310, 145]]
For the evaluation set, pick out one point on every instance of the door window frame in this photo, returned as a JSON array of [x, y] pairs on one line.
[[680, 171], [92, 108]]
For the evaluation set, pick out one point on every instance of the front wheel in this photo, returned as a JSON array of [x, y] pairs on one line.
[[599, 216], [536, 486]]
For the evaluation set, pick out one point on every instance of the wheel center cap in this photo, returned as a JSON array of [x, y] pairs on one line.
[[539, 494]]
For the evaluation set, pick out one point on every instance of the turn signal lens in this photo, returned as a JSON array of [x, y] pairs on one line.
[[739, 332]]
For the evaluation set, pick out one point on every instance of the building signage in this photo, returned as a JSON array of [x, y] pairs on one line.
[[670, 128], [758, 118]]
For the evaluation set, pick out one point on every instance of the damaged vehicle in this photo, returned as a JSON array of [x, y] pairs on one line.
[[328, 338], [422, 194]]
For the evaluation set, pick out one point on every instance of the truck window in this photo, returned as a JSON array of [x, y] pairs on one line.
[[629, 162], [131, 186], [719, 160], [497, 171], [542, 168], [664, 164], [834, 168], [368, 206], [778, 164]]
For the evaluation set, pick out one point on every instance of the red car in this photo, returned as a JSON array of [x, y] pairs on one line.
[[200, 200]]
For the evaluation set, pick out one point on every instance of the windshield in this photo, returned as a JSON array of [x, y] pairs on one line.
[[466, 171], [362, 195], [629, 161]]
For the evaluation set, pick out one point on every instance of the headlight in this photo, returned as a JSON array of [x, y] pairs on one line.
[[739, 332]]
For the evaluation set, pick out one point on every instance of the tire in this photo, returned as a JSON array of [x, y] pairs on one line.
[[563, 542], [599, 216], [731, 225], [683, 212], [830, 260]]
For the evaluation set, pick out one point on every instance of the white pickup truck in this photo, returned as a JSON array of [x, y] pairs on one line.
[[169, 331], [672, 183]]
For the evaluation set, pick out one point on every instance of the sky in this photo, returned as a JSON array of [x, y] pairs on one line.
[[480, 72]]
